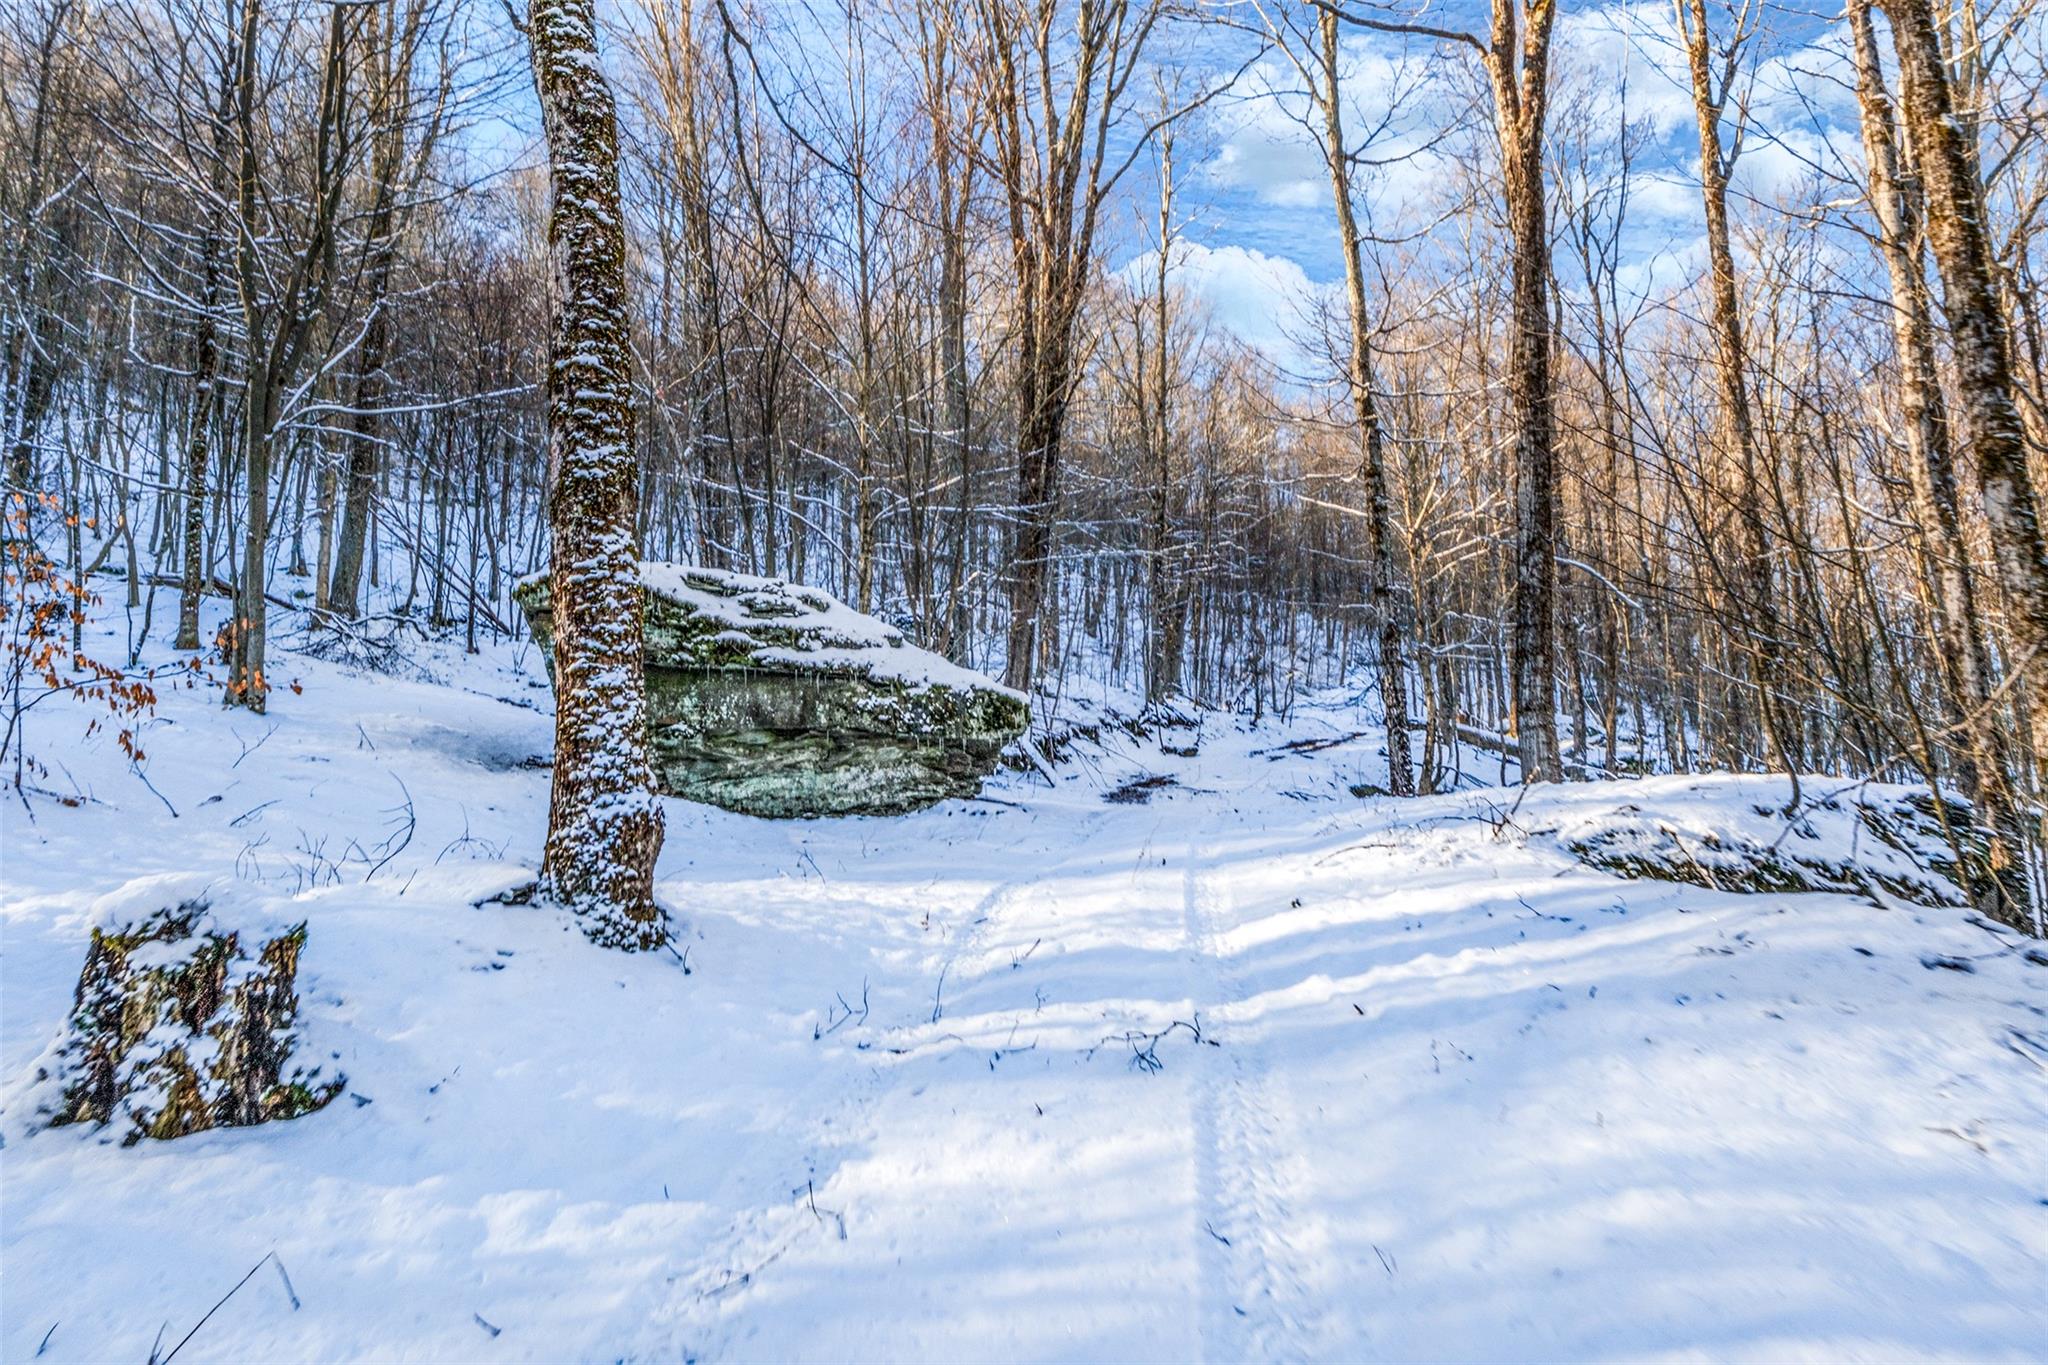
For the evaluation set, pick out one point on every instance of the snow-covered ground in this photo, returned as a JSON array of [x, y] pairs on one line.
[[1249, 1069]]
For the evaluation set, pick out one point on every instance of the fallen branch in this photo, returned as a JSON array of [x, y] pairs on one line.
[[1145, 1046]]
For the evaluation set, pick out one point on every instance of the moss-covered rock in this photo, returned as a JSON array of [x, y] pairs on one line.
[[176, 1028], [773, 699]]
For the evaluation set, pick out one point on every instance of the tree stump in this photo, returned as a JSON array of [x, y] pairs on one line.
[[177, 1028]]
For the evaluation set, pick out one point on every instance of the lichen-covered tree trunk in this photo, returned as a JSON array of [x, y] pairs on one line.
[[604, 822], [1985, 769], [1946, 162], [1379, 546]]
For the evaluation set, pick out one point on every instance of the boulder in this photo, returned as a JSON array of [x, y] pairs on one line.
[[769, 698], [178, 1027]]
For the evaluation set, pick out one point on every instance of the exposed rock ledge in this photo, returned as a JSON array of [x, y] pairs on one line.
[[774, 699]]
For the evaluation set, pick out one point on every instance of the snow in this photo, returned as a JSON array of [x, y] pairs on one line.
[[1251, 1069], [829, 633]]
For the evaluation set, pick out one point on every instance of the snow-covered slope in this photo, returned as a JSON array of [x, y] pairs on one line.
[[1248, 1068]]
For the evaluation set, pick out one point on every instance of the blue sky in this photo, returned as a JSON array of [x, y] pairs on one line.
[[1261, 230]]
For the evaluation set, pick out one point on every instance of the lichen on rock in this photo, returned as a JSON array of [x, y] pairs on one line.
[[177, 1027], [774, 699]]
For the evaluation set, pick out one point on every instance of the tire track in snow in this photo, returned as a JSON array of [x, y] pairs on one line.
[[1257, 1247]]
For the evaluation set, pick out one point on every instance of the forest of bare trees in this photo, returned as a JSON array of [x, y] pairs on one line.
[[908, 320]]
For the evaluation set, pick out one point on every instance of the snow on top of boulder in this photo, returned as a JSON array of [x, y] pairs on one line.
[[810, 627]]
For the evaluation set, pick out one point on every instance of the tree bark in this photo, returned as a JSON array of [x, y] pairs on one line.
[[1051, 162], [1985, 767], [1521, 97], [953, 173], [604, 823], [390, 58], [1755, 591], [1985, 384], [205, 373], [276, 325]]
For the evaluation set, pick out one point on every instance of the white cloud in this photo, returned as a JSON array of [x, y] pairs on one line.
[[1264, 300], [1394, 102]]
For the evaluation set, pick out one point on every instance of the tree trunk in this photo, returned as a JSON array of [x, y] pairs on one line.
[[279, 310], [1985, 771], [604, 823], [1521, 95], [1984, 376], [1754, 592], [205, 370], [1042, 403], [390, 74], [1379, 545], [359, 481]]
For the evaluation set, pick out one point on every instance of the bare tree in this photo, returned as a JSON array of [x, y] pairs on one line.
[[1054, 101], [1516, 58], [1986, 771], [281, 304], [1752, 584]]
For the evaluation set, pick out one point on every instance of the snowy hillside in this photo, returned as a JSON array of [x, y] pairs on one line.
[[1235, 1065]]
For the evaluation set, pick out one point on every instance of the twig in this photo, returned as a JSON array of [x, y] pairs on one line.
[[252, 812], [846, 1013], [215, 1309], [811, 1191], [1145, 1046], [412, 825], [248, 748], [137, 767], [289, 1292], [1698, 866]]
